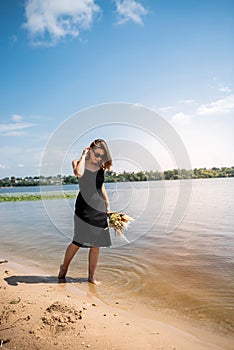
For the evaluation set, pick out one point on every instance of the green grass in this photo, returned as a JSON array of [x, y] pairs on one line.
[[35, 197]]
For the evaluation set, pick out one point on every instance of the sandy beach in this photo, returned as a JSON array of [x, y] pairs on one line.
[[37, 312]]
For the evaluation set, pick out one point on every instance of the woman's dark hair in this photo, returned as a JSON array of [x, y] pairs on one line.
[[107, 161]]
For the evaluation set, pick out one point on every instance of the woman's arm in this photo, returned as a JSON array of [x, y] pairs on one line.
[[105, 198], [79, 165], [76, 169]]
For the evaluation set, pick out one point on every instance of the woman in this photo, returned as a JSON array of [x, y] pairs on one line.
[[90, 217]]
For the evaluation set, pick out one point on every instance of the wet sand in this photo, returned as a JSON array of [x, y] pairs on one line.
[[37, 312]]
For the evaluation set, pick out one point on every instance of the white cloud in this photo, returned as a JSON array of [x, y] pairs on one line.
[[181, 118], [16, 117], [186, 101], [165, 109], [223, 105], [14, 126], [14, 129], [14, 133], [48, 21], [223, 88], [19, 160], [130, 10]]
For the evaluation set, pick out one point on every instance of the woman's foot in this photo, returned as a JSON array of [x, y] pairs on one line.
[[94, 281], [62, 273]]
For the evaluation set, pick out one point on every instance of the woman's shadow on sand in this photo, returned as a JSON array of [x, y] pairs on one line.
[[16, 280]]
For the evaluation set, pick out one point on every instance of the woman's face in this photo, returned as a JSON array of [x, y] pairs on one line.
[[97, 155]]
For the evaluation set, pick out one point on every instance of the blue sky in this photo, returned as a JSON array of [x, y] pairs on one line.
[[59, 57]]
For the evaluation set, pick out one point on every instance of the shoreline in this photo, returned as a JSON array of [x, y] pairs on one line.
[[38, 311], [19, 196], [35, 197]]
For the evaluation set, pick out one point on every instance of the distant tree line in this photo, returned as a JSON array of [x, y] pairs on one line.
[[175, 174]]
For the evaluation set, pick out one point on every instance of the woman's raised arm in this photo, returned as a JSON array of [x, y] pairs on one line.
[[79, 165]]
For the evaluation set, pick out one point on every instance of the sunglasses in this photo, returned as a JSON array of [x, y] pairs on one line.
[[98, 155]]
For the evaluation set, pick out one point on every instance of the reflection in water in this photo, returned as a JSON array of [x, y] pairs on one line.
[[189, 270]]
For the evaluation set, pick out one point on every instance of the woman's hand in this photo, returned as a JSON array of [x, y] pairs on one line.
[[86, 151], [108, 208], [79, 165]]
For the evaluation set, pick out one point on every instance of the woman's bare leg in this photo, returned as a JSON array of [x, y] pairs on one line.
[[70, 252], [93, 260]]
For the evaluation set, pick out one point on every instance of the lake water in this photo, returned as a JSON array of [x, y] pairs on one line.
[[186, 268]]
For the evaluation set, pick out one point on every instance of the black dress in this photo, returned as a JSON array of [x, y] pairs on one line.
[[90, 218]]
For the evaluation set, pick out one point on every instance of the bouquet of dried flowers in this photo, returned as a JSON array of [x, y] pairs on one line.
[[119, 222]]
